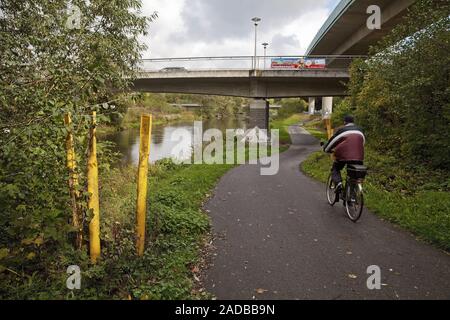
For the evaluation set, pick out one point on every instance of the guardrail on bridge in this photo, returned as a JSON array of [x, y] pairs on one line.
[[247, 63]]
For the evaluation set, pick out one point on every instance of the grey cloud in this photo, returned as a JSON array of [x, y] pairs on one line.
[[219, 27], [281, 41], [216, 20]]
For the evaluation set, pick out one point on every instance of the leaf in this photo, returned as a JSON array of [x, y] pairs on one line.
[[4, 252], [31, 256], [27, 241], [261, 291], [39, 241], [195, 269], [352, 276]]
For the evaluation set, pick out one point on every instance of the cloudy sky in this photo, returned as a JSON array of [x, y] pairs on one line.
[[187, 28]]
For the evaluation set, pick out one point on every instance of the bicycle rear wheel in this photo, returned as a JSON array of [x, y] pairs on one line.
[[354, 201], [332, 196]]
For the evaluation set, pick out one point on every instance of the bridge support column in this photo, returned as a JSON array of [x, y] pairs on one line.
[[327, 107], [312, 106], [259, 113]]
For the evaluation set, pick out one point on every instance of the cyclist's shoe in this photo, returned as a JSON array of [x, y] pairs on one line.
[[338, 188]]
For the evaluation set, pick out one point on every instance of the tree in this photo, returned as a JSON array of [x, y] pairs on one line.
[[401, 94], [55, 60]]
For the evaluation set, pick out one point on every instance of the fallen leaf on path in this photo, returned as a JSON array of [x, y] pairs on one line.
[[352, 276], [195, 269], [261, 291]]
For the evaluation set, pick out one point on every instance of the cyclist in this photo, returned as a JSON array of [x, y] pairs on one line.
[[348, 147]]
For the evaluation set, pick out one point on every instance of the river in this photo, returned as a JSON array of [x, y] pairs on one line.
[[162, 142]]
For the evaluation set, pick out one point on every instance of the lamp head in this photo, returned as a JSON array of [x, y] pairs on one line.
[[256, 20]]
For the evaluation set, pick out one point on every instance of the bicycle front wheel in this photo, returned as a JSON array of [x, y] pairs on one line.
[[354, 201], [332, 196]]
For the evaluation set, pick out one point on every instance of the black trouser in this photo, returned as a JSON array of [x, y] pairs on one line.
[[337, 167]]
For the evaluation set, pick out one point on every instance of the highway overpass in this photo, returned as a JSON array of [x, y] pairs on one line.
[[345, 32]]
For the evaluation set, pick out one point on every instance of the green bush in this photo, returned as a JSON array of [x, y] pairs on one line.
[[291, 106], [401, 94]]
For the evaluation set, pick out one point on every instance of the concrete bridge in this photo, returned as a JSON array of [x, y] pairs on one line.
[[232, 76], [258, 84]]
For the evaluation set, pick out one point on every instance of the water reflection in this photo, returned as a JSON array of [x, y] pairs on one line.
[[162, 144]]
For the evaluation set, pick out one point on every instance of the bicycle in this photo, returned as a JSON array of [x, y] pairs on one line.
[[352, 191]]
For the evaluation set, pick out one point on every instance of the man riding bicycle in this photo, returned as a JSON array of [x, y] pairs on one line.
[[348, 147]]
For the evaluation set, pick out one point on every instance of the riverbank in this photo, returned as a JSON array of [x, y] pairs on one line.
[[132, 119], [393, 193], [178, 228]]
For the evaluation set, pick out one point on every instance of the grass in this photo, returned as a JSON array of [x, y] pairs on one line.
[[393, 193], [176, 231], [176, 227], [314, 127]]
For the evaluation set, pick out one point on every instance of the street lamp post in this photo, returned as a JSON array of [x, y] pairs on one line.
[[265, 44], [256, 20]]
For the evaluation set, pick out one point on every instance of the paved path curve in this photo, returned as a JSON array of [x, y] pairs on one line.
[[277, 233]]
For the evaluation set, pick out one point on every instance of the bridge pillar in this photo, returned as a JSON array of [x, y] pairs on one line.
[[259, 114], [327, 107], [312, 105]]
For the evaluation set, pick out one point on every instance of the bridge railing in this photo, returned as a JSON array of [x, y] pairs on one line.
[[247, 63]]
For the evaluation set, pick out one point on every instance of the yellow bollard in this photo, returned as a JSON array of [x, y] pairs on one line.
[[329, 128], [73, 183], [141, 205], [330, 132], [93, 202]]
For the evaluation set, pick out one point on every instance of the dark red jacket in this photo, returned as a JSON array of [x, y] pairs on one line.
[[347, 143]]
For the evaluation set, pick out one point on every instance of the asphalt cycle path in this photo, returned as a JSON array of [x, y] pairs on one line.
[[276, 237]]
